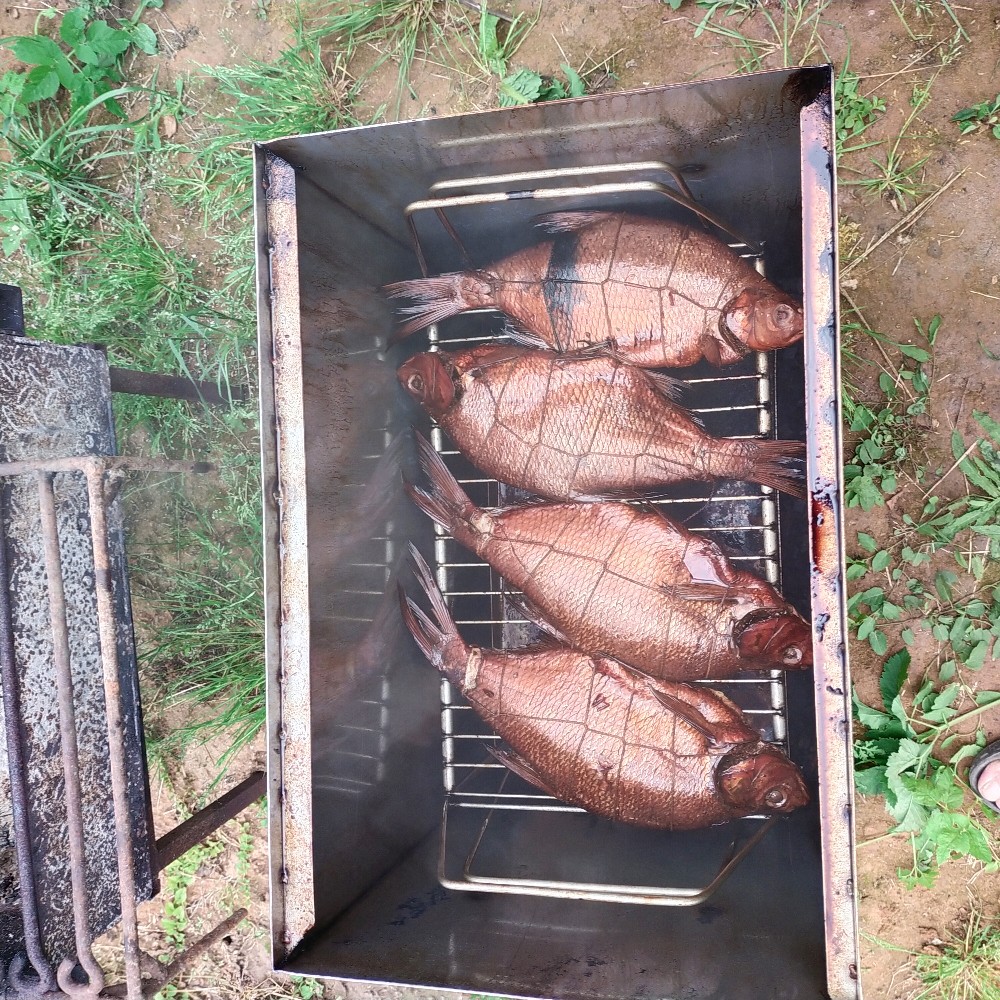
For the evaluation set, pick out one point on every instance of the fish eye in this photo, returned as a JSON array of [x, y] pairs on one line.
[[783, 314], [776, 798], [415, 382], [792, 655]]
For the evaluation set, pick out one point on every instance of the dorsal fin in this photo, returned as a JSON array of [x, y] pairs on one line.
[[568, 222]]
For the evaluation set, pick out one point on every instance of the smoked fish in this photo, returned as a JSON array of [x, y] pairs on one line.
[[659, 293], [579, 427], [596, 734]]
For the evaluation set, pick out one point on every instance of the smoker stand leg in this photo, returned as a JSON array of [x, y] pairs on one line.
[[206, 821]]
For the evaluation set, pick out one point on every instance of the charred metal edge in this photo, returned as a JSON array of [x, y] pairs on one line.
[[825, 477], [286, 584]]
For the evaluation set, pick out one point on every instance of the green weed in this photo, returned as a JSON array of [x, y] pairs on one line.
[[395, 29], [855, 112], [895, 758], [528, 87], [926, 10], [984, 116], [210, 650], [979, 512], [889, 433], [898, 177], [495, 45], [86, 66], [177, 879], [960, 610]]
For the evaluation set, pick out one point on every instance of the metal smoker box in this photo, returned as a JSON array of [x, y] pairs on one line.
[[401, 851]]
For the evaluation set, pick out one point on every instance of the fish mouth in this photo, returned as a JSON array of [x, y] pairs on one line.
[[775, 638]]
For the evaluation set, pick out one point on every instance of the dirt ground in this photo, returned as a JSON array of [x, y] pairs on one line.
[[948, 262]]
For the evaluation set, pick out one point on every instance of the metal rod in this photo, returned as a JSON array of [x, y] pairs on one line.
[[206, 821], [99, 464], [587, 190], [557, 173], [112, 697], [68, 748], [18, 788], [173, 387], [165, 973]]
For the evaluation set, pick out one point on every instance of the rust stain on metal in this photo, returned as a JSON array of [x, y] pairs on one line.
[[96, 493], [293, 911], [823, 417]]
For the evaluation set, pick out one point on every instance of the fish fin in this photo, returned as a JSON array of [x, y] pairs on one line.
[[688, 713], [700, 591], [769, 468], [707, 563], [446, 503], [503, 354], [436, 298], [568, 222], [523, 337], [602, 349], [513, 761], [711, 349], [672, 388], [529, 610], [425, 633]]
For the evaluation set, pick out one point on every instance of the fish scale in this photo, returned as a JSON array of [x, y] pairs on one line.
[[596, 734]]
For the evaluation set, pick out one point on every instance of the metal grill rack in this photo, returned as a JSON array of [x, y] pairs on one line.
[[354, 756], [481, 795]]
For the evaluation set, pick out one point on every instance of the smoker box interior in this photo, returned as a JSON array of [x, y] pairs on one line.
[[355, 712]]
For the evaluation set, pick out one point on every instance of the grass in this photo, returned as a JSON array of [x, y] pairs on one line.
[[889, 431], [789, 37], [966, 968], [79, 228], [394, 30], [897, 176]]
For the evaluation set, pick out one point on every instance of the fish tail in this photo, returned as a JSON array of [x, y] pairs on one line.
[[446, 502], [437, 637], [438, 298], [438, 604], [430, 637], [769, 467]]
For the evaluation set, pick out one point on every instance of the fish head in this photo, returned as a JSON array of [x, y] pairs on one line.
[[755, 777], [763, 319], [429, 379], [774, 637]]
